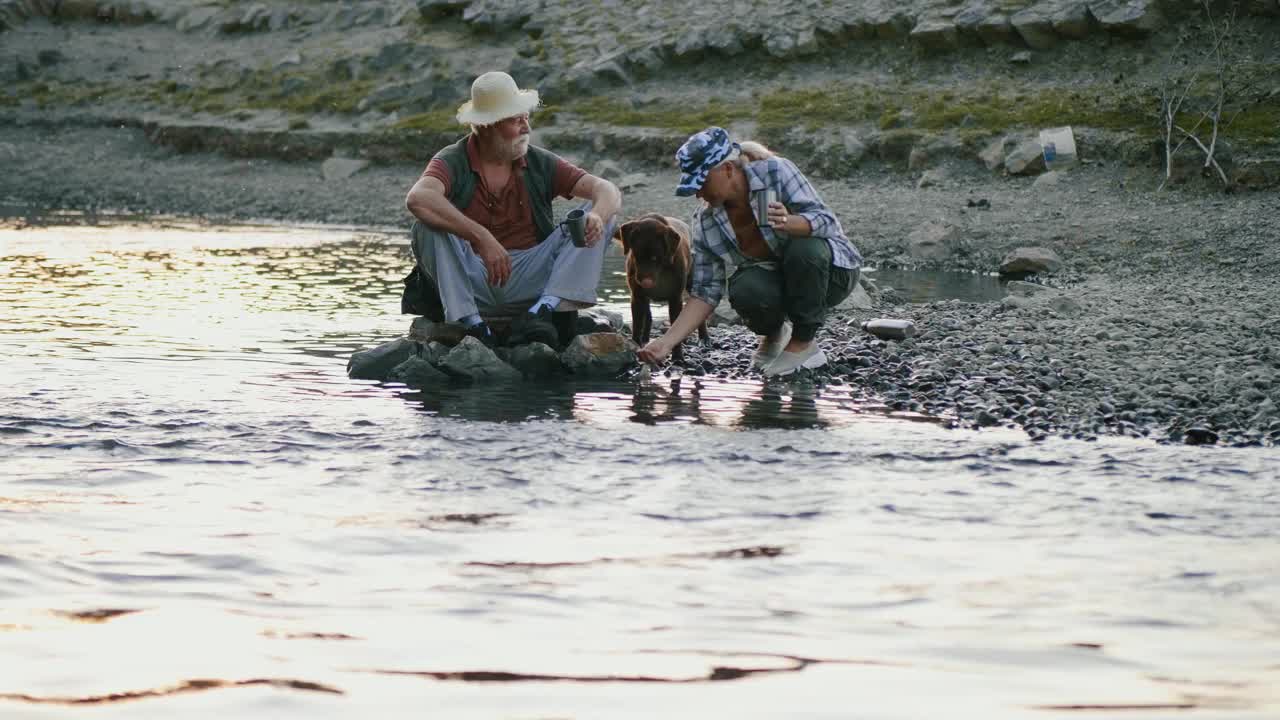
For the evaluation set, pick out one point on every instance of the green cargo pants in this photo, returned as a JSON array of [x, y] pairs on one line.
[[801, 286]]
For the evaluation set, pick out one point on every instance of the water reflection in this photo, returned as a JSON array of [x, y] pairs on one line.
[[923, 286], [730, 404]]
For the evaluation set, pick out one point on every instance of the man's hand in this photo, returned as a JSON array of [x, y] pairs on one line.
[[595, 228], [497, 261], [655, 352]]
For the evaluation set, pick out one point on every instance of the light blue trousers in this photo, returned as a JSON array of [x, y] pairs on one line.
[[552, 267]]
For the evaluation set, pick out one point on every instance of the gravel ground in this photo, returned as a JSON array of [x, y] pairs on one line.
[[1162, 322]]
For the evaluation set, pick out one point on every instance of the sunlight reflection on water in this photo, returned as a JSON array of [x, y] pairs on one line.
[[180, 441]]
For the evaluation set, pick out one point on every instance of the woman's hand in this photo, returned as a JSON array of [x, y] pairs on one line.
[[778, 216], [655, 352]]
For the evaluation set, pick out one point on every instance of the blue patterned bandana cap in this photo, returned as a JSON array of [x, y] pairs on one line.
[[698, 155]]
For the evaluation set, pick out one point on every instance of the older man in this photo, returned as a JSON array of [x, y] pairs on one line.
[[485, 236]]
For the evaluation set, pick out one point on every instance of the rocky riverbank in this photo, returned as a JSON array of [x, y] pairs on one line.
[[1157, 320]]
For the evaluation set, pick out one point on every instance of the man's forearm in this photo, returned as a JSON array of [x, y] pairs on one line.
[[606, 200], [435, 211]]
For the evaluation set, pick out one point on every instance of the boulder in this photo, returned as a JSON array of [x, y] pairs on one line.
[[599, 354], [425, 330], [936, 34], [472, 360], [377, 363], [1127, 17], [1030, 260], [197, 18], [859, 299], [1025, 159], [438, 9], [536, 360], [993, 155], [933, 241], [594, 320], [1035, 27], [417, 372], [996, 29], [1073, 19]]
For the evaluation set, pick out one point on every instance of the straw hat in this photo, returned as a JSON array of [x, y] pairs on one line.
[[494, 97]]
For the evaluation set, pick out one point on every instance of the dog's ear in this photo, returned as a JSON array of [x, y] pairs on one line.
[[673, 240], [623, 235]]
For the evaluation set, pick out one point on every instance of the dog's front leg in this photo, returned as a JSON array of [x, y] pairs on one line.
[[674, 306], [641, 319]]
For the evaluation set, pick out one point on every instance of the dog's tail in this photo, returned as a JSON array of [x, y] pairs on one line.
[[753, 151]]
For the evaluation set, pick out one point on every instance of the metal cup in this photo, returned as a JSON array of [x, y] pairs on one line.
[[763, 198], [575, 224]]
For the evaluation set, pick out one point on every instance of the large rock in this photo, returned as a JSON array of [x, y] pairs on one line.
[[1025, 159], [599, 354], [197, 18], [936, 33], [1073, 20], [1030, 260], [1035, 27], [536, 360], [933, 241], [996, 29], [993, 155], [377, 363], [438, 9], [417, 372], [472, 360], [424, 330], [1127, 17], [594, 320], [859, 299]]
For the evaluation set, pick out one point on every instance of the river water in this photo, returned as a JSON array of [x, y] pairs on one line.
[[201, 516]]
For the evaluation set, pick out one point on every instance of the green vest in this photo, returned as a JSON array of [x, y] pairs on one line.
[[538, 177]]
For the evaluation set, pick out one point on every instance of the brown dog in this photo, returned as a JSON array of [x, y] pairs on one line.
[[659, 267]]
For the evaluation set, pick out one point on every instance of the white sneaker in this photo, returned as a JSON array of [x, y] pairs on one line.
[[771, 347], [789, 362]]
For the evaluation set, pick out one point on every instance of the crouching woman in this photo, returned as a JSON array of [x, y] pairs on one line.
[[791, 266]]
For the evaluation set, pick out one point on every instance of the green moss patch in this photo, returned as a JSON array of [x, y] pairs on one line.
[[442, 120], [610, 111]]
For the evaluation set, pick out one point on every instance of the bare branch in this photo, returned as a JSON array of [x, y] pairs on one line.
[[1209, 159]]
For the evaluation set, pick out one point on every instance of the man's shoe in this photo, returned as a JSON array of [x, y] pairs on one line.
[[534, 327], [789, 362], [772, 346], [484, 334]]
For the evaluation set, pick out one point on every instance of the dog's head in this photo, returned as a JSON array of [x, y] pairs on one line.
[[651, 243]]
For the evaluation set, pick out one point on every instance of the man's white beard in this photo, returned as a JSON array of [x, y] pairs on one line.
[[518, 148]]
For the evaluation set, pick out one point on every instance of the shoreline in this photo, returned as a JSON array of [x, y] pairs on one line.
[[1161, 322]]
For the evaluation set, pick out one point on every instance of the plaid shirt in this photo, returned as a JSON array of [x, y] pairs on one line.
[[714, 244]]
